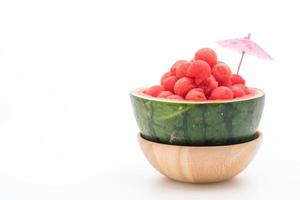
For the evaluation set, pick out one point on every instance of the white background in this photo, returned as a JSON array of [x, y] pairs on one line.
[[67, 130]]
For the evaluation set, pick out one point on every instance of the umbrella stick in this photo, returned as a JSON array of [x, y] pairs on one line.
[[243, 53], [240, 62]]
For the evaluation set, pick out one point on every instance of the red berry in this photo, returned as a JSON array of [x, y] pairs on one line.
[[175, 65], [195, 94], [174, 96], [221, 93], [167, 74], [154, 90], [208, 55], [199, 69], [237, 79], [221, 72], [245, 88], [181, 69], [164, 94], [227, 83], [183, 85], [169, 82], [237, 91]]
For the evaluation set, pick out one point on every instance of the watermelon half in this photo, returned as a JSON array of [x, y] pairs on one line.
[[206, 123]]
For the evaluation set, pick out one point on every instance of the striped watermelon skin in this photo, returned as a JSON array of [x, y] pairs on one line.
[[198, 124]]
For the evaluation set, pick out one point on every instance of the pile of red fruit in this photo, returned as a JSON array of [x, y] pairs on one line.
[[203, 78]]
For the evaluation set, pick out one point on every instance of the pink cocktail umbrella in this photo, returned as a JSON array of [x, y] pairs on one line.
[[245, 46]]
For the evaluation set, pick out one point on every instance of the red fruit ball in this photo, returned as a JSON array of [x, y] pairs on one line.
[[174, 96], [221, 72], [165, 75], [221, 93], [245, 88], [199, 69], [198, 81], [183, 85], [164, 94], [195, 94], [181, 69], [227, 83], [175, 65], [237, 79], [169, 82], [197, 89], [154, 90], [237, 91], [208, 55], [209, 84]]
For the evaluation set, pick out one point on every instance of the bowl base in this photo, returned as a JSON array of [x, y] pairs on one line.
[[200, 164]]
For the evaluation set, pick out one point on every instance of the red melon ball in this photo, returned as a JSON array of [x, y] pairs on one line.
[[164, 94], [245, 88], [183, 85], [154, 90], [221, 72], [198, 89], [195, 94], [237, 79], [198, 81], [169, 82], [221, 93], [165, 75], [208, 55], [181, 69], [227, 83], [175, 97], [175, 65], [209, 84], [199, 69], [237, 91]]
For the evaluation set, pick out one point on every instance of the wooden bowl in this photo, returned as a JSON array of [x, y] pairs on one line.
[[203, 164]]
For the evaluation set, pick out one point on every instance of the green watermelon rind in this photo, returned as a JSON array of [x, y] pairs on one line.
[[208, 123]]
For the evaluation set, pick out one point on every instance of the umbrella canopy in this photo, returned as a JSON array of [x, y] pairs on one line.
[[245, 46]]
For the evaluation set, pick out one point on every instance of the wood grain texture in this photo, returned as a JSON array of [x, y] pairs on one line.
[[200, 164]]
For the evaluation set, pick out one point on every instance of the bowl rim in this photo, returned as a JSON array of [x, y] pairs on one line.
[[258, 93], [258, 134]]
